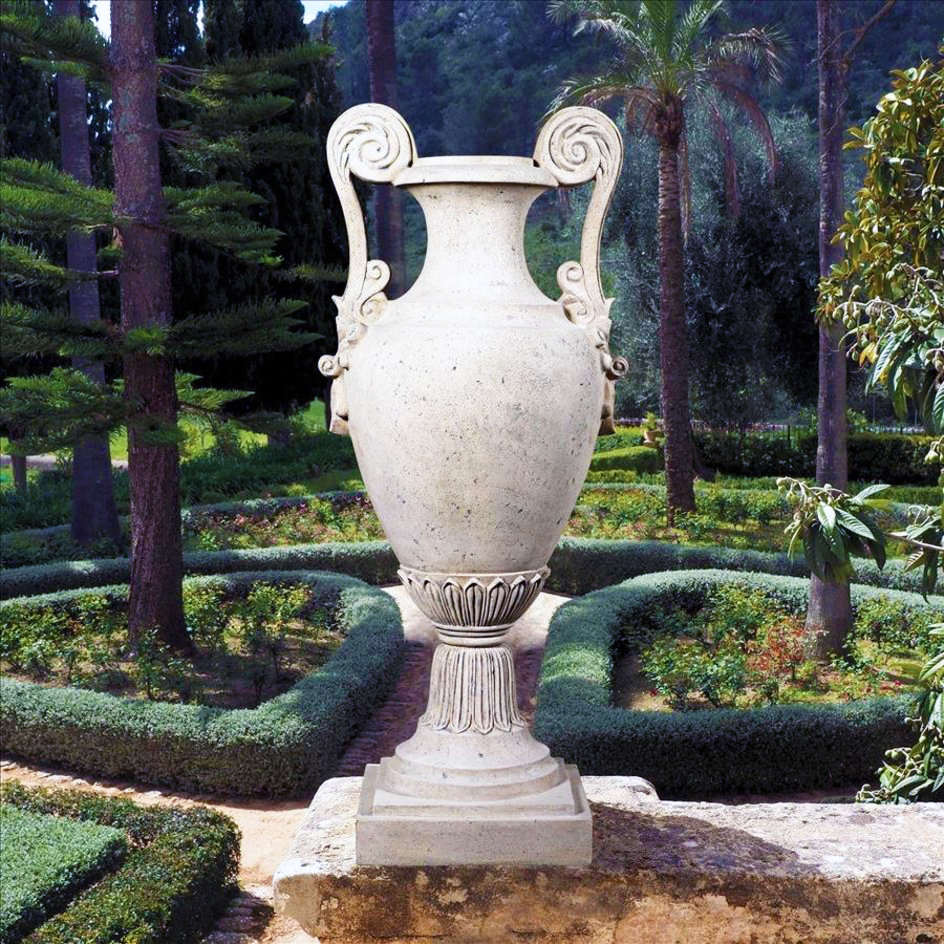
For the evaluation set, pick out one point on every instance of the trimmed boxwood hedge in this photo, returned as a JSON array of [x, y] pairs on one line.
[[288, 744], [628, 459], [578, 565], [45, 861], [174, 884], [690, 754]]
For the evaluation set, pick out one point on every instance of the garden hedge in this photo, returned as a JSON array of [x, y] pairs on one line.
[[700, 753], [628, 459], [578, 565], [174, 884], [288, 744], [895, 458], [45, 861]]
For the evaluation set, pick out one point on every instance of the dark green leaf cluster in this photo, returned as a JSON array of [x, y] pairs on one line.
[[55, 43], [916, 773], [289, 743], [833, 528], [46, 860], [174, 884]]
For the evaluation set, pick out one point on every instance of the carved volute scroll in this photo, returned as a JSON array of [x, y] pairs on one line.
[[578, 145], [374, 143]]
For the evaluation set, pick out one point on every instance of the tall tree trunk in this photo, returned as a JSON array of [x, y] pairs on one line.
[[382, 70], [673, 337], [94, 515], [153, 467], [829, 617], [18, 464]]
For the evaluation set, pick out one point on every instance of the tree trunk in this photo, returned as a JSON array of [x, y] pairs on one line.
[[18, 464], [94, 515], [673, 338], [829, 617], [153, 466], [382, 69]]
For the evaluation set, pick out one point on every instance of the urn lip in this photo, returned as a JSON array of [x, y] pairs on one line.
[[475, 169]]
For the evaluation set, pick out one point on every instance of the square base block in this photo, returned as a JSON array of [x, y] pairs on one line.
[[662, 873], [549, 828]]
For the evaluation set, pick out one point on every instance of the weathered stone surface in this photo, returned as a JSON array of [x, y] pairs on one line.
[[662, 873]]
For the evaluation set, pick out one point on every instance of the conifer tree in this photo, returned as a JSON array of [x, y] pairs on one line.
[[300, 201], [26, 130], [94, 514], [228, 105]]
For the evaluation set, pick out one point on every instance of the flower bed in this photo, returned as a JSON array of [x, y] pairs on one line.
[[287, 744], [252, 642], [765, 750], [176, 880]]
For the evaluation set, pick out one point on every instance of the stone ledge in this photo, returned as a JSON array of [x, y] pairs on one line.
[[662, 873]]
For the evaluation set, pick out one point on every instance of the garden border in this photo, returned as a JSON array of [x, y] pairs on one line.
[[288, 744], [176, 879], [696, 754], [578, 565]]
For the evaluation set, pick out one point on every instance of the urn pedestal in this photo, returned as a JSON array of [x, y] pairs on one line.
[[473, 402]]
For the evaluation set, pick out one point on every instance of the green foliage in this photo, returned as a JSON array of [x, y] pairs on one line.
[[289, 743], [917, 773], [199, 108], [45, 860], [832, 527], [173, 886], [578, 565], [629, 458], [285, 161], [772, 749], [873, 457], [887, 289]]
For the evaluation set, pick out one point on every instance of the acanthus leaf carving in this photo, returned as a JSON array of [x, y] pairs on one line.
[[472, 690]]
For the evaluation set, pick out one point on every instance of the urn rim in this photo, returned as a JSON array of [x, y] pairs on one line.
[[475, 169]]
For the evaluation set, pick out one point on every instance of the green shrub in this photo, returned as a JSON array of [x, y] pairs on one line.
[[289, 743], [207, 478], [173, 886], [773, 749], [886, 457], [578, 565], [45, 860], [639, 459]]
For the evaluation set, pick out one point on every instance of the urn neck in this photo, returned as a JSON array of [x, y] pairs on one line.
[[475, 231]]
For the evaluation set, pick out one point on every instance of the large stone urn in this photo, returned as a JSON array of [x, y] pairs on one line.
[[473, 402]]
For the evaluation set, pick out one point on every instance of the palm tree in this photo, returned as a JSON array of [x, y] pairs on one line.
[[669, 58]]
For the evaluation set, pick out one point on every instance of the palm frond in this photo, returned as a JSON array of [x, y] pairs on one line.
[[760, 47], [732, 196], [598, 89], [693, 24], [751, 107]]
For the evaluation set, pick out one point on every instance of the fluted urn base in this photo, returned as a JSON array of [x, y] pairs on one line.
[[472, 785]]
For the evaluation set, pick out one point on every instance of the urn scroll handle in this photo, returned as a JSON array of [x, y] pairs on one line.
[[578, 145], [374, 143]]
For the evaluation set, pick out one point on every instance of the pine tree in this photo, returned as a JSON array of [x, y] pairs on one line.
[[94, 514], [228, 107], [300, 202], [26, 130]]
